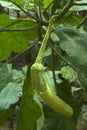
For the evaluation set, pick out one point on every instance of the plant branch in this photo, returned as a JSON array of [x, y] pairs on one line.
[[39, 16], [40, 13], [18, 29], [59, 55], [53, 67], [44, 42], [13, 23], [24, 52], [39, 33], [82, 21], [64, 10]]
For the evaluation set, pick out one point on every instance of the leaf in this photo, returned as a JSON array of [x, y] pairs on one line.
[[67, 72], [54, 37], [30, 110], [83, 77], [40, 120], [55, 121], [16, 1], [49, 78], [85, 116], [64, 91], [10, 95], [15, 40], [74, 44], [48, 75], [84, 112], [28, 115], [46, 3], [4, 114], [9, 5], [78, 7], [18, 76], [8, 75], [73, 20], [11, 82], [5, 76], [47, 52], [5, 21]]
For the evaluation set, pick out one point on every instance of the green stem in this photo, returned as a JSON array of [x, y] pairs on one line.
[[44, 42], [51, 21], [19, 29]]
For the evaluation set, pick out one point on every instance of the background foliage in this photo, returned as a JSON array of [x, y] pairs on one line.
[[23, 25]]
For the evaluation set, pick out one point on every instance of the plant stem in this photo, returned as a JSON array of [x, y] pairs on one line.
[[53, 19], [65, 9], [82, 21], [44, 42], [18, 29], [59, 55]]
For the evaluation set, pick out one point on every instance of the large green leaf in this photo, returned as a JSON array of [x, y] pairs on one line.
[[5, 21], [16, 1], [11, 82], [74, 44], [10, 95], [15, 40]]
